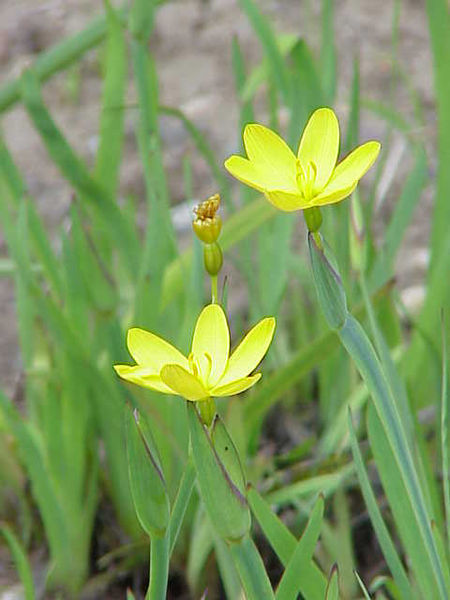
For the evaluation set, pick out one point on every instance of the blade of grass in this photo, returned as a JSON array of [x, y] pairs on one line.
[[112, 112], [58, 57], [362, 586], [204, 148], [227, 570], [439, 26], [354, 339], [298, 575], [402, 506], [384, 539], [328, 52], [310, 486], [270, 46], [445, 437], [73, 168], [400, 219], [43, 489], [259, 75], [181, 502], [21, 561]]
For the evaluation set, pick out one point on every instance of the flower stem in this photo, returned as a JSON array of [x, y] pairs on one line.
[[159, 568], [313, 218], [207, 410], [214, 293]]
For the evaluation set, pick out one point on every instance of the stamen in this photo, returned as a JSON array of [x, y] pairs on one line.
[[193, 364], [306, 179]]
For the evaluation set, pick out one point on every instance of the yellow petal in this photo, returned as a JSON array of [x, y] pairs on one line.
[[320, 145], [236, 387], [350, 170], [211, 337], [333, 197], [245, 171], [285, 200], [183, 383], [271, 157], [152, 351], [250, 351], [142, 376]]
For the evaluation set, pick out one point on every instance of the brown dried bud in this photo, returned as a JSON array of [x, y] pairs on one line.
[[207, 224]]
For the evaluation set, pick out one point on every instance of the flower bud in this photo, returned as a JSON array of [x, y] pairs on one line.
[[213, 258], [207, 224]]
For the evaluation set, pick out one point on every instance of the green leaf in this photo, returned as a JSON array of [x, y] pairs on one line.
[[445, 426], [329, 287], [251, 569], [279, 536], [147, 483], [181, 502], [402, 506], [311, 486], [58, 57], [400, 219], [112, 112], [299, 575], [360, 349], [384, 539], [21, 561], [261, 73], [73, 168], [328, 51], [227, 454], [269, 43], [332, 592], [224, 501]]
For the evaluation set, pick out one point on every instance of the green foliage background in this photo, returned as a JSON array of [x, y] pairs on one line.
[[75, 304]]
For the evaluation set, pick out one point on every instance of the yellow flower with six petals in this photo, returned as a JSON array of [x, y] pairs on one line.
[[309, 179], [209, 370]]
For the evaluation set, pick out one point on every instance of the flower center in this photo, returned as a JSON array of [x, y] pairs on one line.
[[200, 366], [306, 178]]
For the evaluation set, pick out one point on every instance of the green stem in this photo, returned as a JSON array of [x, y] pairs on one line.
[[214, 292], [159, 568], [251, 570], [207, 410], [313, 219]]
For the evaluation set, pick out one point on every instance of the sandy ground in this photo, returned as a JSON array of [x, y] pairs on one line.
[[192, 46]]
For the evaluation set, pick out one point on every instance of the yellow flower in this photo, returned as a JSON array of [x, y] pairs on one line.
[[309, 179], [208, 370]]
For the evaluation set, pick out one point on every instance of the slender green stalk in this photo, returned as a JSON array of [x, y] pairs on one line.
[[214, 294], [251, 570], [159, 568]]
